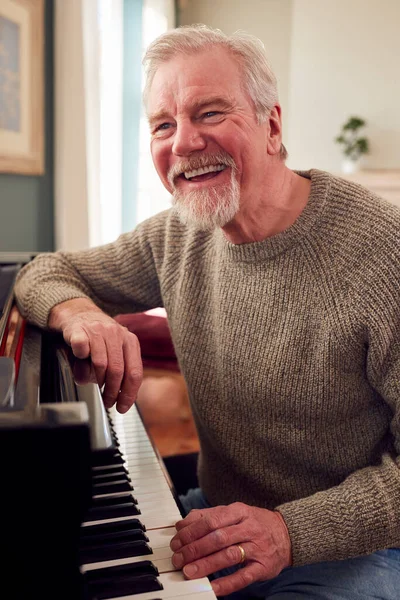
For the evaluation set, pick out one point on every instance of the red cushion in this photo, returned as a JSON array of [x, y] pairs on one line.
[[155, 339]]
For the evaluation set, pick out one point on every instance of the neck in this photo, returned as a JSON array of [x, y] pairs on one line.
[[283, 198]]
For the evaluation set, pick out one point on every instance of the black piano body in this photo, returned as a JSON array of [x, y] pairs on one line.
[[71, 475], [46, 455]]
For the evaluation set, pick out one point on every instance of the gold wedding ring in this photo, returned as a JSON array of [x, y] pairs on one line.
[[242, 554]]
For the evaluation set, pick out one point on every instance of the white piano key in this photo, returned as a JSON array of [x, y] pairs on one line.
[[132, 452], [137, 460], [150, 521], [144, 486], [148, 496], [145, 471], [159, 538]]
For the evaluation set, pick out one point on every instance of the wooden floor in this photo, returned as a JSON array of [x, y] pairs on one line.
[[164, 406]]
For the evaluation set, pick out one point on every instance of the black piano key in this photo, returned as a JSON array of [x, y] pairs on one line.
[[109, 477], [138, 585], [113, 507], [122, 580], [113, 500], [104, 528], [111, 488], [112, 537], [100, 471], [112, 512], [96, 553], [143, 567], [107, 458]]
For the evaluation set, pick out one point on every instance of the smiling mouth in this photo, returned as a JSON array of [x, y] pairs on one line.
[[203, 173]]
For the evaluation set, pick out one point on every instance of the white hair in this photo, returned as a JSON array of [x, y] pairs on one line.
[[258, 78], [208, 208]]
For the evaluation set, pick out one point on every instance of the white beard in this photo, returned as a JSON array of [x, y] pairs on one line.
[[210, 207]]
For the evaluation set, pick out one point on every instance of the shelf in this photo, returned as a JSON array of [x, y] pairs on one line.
[[385, 183]]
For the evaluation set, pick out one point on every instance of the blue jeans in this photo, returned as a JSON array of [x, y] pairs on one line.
[[376, 576]]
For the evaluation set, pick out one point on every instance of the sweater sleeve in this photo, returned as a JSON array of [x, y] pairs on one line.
[[362, 514], [119, 277]]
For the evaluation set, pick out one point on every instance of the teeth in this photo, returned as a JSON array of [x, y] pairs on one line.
[[204, 170]]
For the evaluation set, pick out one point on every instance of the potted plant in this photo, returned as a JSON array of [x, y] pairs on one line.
[[353, 145]]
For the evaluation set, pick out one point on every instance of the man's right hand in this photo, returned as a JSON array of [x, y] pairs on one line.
[[114, 351]]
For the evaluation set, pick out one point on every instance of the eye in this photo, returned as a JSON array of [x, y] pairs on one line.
[[211, 113], [162, 127]]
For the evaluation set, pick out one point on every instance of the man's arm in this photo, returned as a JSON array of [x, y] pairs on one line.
[[77, 293], [114, 351]]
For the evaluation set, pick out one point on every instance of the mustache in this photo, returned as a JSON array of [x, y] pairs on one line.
[[198, 162]]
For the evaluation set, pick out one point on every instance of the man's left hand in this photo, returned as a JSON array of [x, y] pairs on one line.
[[211, 539]]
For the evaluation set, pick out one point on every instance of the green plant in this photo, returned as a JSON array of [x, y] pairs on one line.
[[353, 145]]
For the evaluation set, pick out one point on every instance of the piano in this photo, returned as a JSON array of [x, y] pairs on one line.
[[87, 508]]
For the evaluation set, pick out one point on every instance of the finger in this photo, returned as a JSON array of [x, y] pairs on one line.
[[79, 342], [228, 557], [197, 525], [133, 373], [223, 586], [83, 372], [211, 543], [115, 369], [195, 514], [98, 353]]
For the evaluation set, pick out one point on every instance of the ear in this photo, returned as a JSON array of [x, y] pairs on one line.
[[275, 130]]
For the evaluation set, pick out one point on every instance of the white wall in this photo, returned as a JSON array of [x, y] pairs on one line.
[[332, 60], [344, 60], [269, 20]]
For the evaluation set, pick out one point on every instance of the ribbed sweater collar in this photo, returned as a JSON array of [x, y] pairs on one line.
[[273, 246]]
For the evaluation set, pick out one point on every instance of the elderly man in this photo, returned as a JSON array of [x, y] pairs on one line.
[[282, 292]]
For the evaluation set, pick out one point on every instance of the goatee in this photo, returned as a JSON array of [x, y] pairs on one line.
[[211, 207]]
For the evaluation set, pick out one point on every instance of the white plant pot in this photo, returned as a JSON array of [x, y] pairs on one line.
[[351, 166]]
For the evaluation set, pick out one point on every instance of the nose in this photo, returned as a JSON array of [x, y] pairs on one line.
[[187, 139]]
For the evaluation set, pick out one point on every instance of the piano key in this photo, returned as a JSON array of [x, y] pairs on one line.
[[123, 508], [96, 537], [134, 460], [157, 505], [102, 460], [144, 486], [114, 487], [123, 549], [108, 470], [144, 471], [106, 528], [175, 586], [110, 477], [113, 500], [122, 586], [161, 557], [145, 567], [152, 520]]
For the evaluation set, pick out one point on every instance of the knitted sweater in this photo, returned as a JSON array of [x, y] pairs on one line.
[[290, 348]]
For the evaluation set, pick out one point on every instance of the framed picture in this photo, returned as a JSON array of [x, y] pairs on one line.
[[21, 86]]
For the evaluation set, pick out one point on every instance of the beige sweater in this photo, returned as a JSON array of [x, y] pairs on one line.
[[291, 351]]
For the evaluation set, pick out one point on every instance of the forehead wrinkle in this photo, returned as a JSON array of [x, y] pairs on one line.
[[200, 103]]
